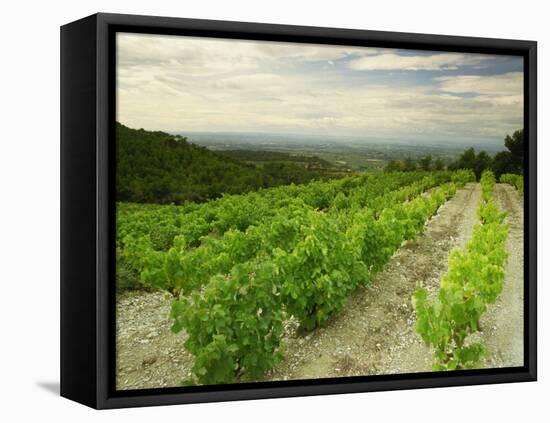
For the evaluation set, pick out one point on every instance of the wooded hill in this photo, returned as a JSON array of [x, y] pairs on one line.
[[156, 167]]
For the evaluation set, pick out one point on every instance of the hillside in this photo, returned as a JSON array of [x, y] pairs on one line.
[[156, 167], [255, 157]]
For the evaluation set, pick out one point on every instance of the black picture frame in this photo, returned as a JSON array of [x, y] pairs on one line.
[[87, 210]]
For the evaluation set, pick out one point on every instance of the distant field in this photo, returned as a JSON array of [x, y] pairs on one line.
[[258, 157], [351, 154]]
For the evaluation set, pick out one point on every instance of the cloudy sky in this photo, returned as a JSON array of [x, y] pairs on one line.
[[179, 84]]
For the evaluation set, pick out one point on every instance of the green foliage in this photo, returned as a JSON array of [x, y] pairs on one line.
[[489, 212], [425, 163], [470, 160], [234, 325], [286, 167], [503, 162], [408, 165], [156, 167], [287, 173], [439, 165], [463, 176], [487, 182], [276, 156], [317, 272], [126, 275], [510, 161], [516, 147], [219, 234], [341, 201], [162, 270], [514, 180], [162, 236], [474, 279]]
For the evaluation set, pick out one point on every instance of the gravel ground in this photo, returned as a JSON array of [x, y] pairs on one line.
[[503, 321], [148, 354]]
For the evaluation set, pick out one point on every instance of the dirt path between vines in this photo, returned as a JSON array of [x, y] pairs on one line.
[[375, 333], [503, 322]]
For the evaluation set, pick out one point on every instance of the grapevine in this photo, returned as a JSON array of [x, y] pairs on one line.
[[474, 280], [512, 179]]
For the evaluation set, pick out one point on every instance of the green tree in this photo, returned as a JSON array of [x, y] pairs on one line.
[[156, 167], [394, 166], [470, 160], [425, 162], [516, 147], [409, 165], [467, 159], [503, 163], [482, 162], [439, 165]]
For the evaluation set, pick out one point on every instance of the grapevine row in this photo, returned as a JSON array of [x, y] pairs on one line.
[[512, 179], [240, 211], [187, 271], [474, 280], [183, 268]]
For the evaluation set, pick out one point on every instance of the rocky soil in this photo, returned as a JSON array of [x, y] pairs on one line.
[[148, 354], [503, 321]]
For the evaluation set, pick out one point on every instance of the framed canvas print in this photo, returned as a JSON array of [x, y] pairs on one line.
[[255, 211]]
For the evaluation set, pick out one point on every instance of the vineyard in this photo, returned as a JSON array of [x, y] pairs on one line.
[[254, 286], [473, 281]]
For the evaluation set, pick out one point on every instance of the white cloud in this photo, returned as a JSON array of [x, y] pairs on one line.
[[207, 55], [436, 62], [500, 90], [507, 84]]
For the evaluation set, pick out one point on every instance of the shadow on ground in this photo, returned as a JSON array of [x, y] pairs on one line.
[[51, 387]]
